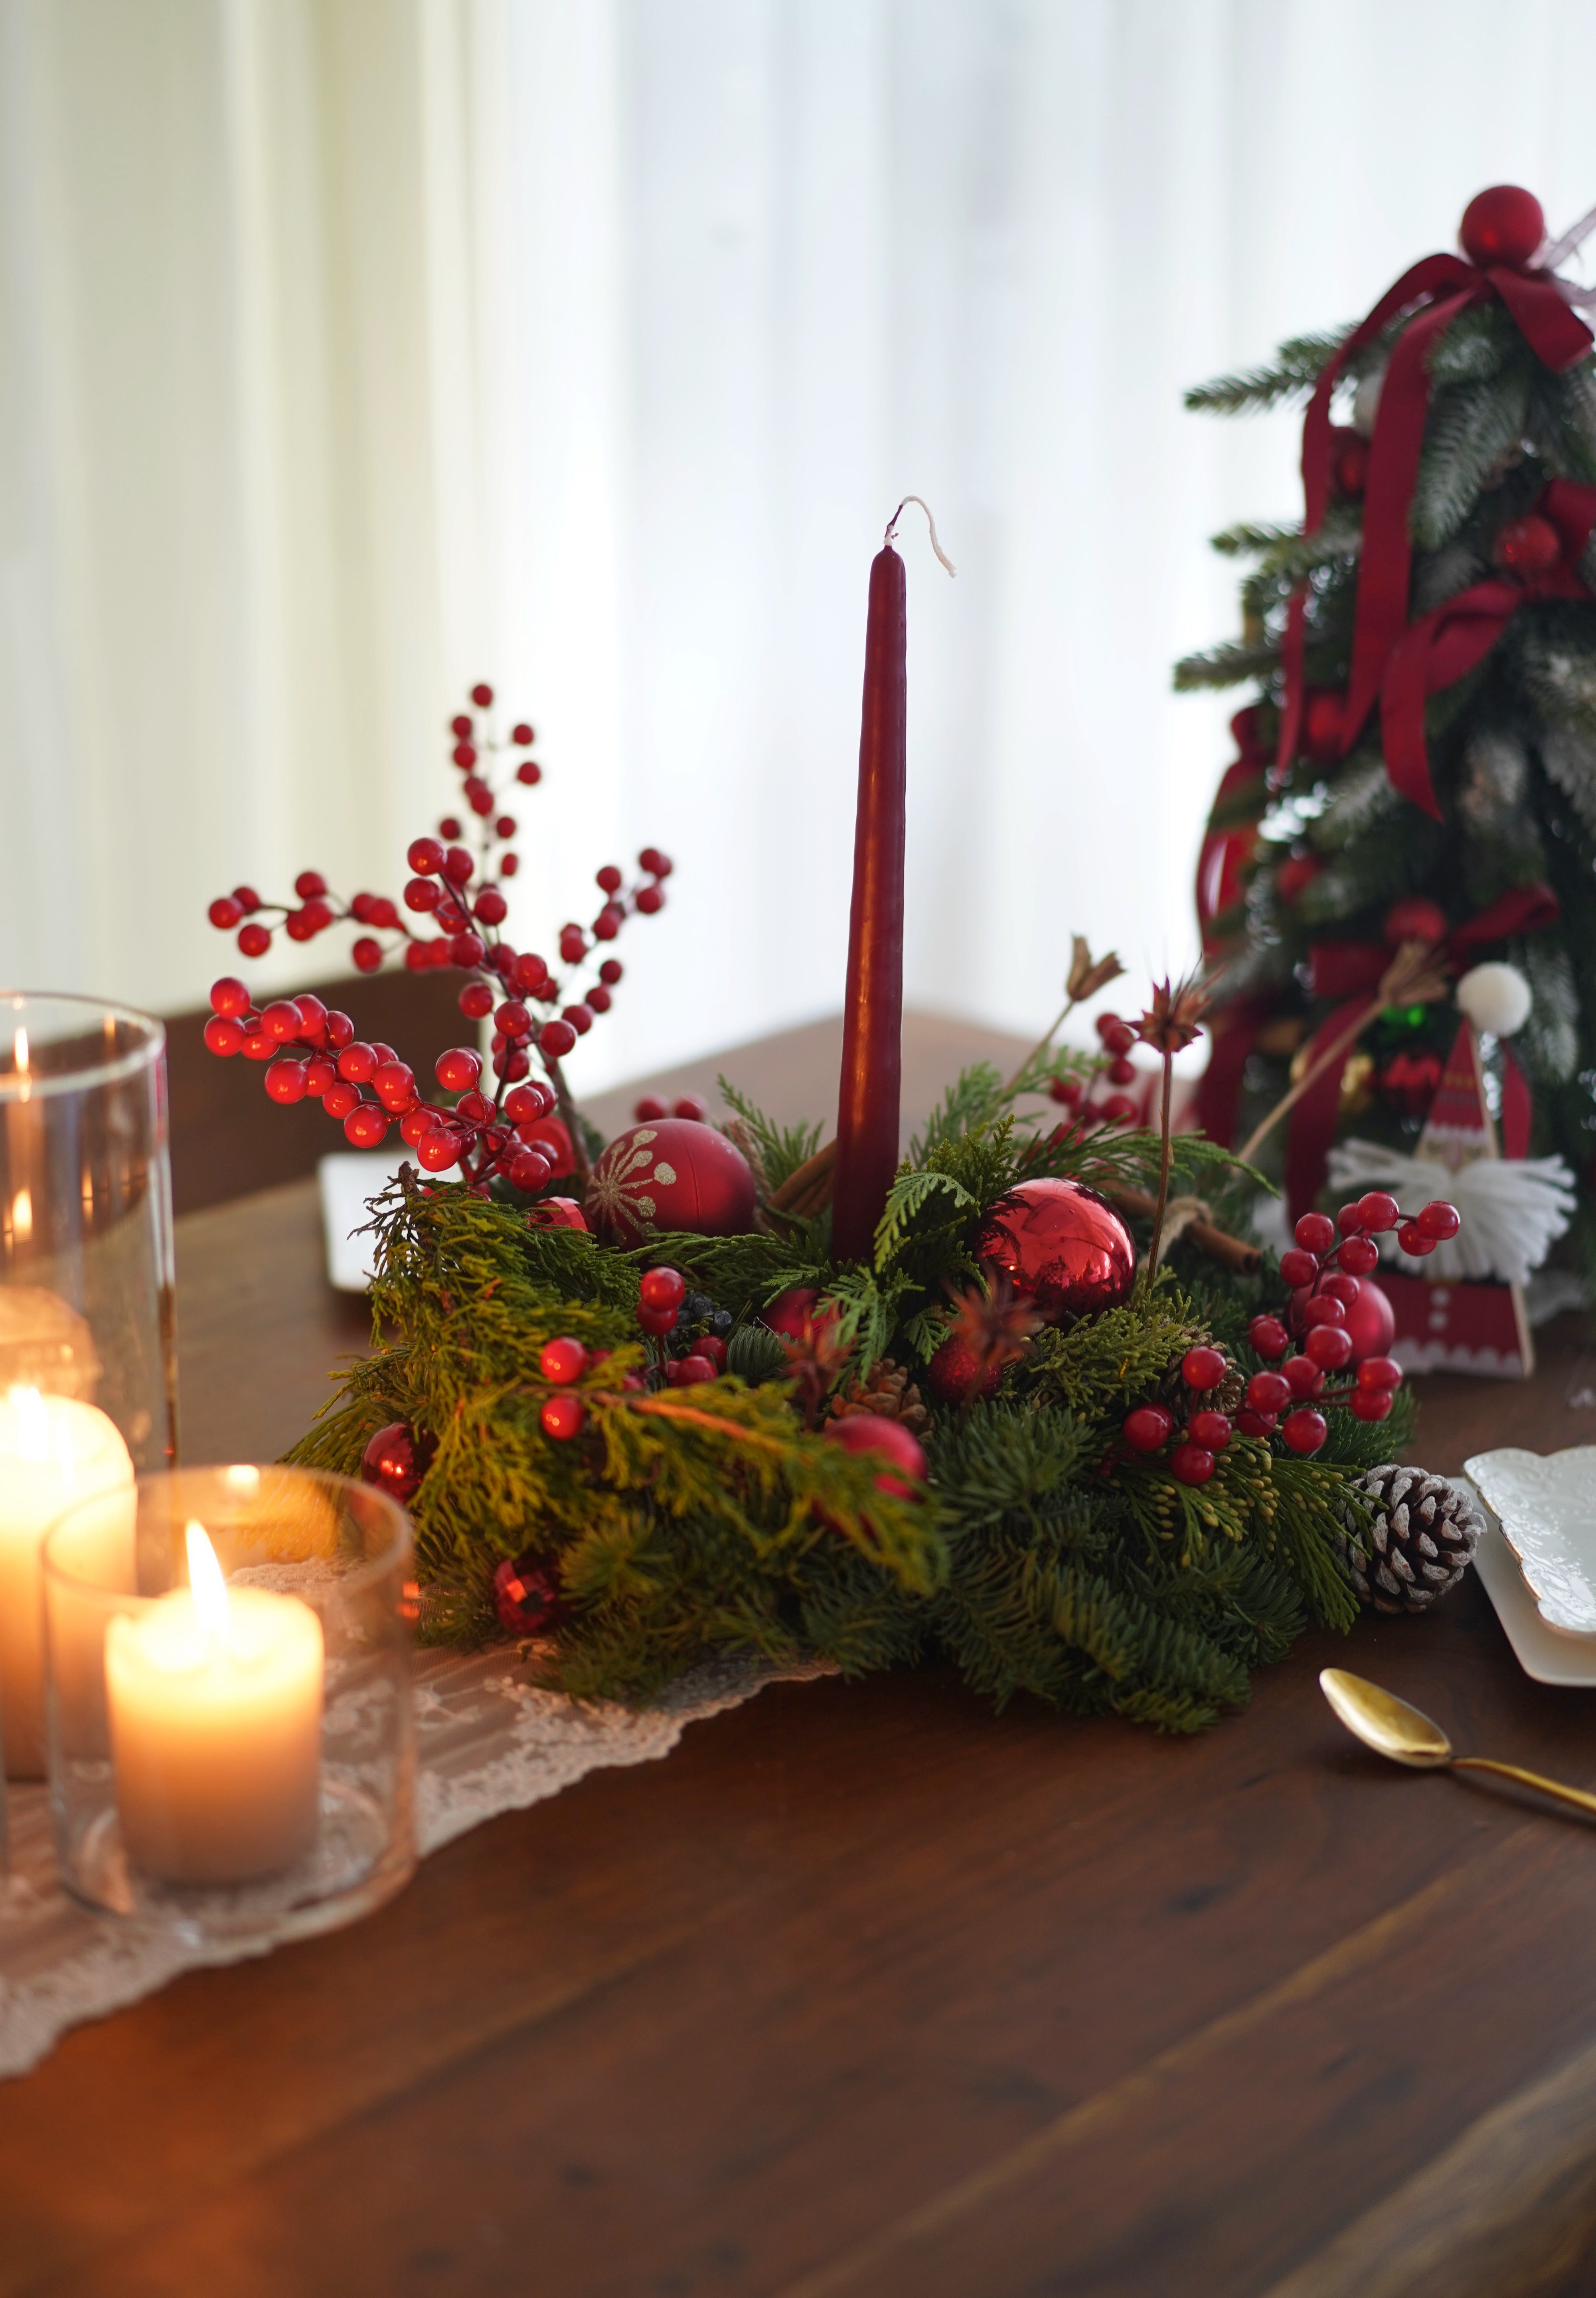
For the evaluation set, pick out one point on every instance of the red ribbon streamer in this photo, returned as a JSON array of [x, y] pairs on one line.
[[1225, 851], [1447, 285]]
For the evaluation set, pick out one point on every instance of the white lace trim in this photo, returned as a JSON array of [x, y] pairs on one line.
[[487, 1742]]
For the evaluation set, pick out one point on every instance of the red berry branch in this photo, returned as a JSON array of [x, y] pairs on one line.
[[312, 1052], [1323, 1270]]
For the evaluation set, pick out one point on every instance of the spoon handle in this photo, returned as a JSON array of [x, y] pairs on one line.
[[1577, 1796]]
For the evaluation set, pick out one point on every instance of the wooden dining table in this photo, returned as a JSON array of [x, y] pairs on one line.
[[868, 1991]]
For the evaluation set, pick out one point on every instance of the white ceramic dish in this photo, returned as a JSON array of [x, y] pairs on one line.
[[1547, 1654], [1545, 1504]]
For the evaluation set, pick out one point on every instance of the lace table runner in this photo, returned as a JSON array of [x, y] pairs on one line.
[[487, 1742]]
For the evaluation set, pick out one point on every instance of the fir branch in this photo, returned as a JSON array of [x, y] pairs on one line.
[[1472, 430], [1231, 664], [1297, 368], [782, 1149]]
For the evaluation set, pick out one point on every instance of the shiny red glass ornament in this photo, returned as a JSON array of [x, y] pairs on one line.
[[954, 1374], [528, 1595], [1503, 225], [555, 1212], [395, 1460], [673, 1175], [1371, 1322], [897, 1448], [1062, 1246]]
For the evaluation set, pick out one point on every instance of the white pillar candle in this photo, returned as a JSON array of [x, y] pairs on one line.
[[54, 1452], [214, 1697]]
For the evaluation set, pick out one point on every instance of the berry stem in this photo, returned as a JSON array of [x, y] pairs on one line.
[[1165, 1158], [1044, 1044]]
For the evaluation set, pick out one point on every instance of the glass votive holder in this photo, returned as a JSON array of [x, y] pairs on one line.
[[87, 1364], [231, 1736]]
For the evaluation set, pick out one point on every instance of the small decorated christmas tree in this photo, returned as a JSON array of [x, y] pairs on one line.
[[1418, 767]]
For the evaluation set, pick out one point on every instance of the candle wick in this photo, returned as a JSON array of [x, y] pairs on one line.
[[931, 522]]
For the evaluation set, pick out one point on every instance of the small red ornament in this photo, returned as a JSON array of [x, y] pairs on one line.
[[1062, 1246], [673, 1175], [1504, 224], [528, 1595], [1527, 546], [792, 1312], [955, 1377], [395, 1460], [872, 1432], [1324, 716], [1415, 918]]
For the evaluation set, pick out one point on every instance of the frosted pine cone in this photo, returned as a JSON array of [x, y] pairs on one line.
[[1422, 1535], [887, 1391]]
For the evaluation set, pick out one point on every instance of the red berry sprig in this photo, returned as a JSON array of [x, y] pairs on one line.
[[1077, 1091], [313, 1054]]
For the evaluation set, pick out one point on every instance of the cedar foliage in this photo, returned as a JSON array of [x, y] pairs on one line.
[[687, 1522]]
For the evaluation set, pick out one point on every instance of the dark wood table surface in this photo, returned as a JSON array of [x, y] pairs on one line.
[[868, 1992]]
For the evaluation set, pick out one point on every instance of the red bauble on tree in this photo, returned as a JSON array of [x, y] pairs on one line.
[[675, 1174], [1371, 1322], [1529, 546], [1062, 1246], [1504, 224], [396, 1459], [954, 1375]]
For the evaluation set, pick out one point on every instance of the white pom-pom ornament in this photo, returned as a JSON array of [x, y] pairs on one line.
[[1495, 998]]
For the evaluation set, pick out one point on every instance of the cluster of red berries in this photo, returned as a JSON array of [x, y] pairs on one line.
[[313, 1053], [1113, 1067], [1323, 1270], [662, 1298]]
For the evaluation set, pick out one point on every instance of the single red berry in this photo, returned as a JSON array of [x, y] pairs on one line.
[[368, 955], [1202, 1368], [1329, 1346], [340, 1031], [365, 1127], [662, 1288], [1118, 1109], [231, 996], [394, 1086], [1190, 1464], [1066, 1090], [452, 827], [460, 725], [319, 1074], [426, 856], [223, 1034], [650, 899], [573, 944], [476, 1000], [482, 694], [663, 864], [472, 1108], [650, 859], [358, 1064], [1315, 1233], [1249, 1423], [1103, 1023], [1209, 1429], [505, 827], [1323, 1310], [522, 735], [421, 895], [649, 1109], [437, 1149], [253, 940], [1304, 1431], [1371, 1403], [1118, 1038], [711, 1345], [297, 926], [608, 924], [1379, 1211], [285, 1080], [528, 971], [1360, 1256], [1337, 1285], [563, 1417], [1413, 1240], [1268, 1392], [308, 885], [457, 1070], [1304, 1376], [224, 913], [686, 1372], [1379, 1372], [563, 1360], [458, 866], [608, 879], [1298, 1268], [513, 1018], [557, 1038], [467, 949], [1349, 1220], [490, 906], [280, 1019], [1148, 1427], [529, 772], [257, 1045], [528, 1170], [1269, 1337], [1438, 1219], [611, 970], [247, 899], [528, 1103], [598, 998], [1122, 1072], [657, 1321], [693, 1106], [339, 1099], [579, 1017], [464, 754], [479, 797]]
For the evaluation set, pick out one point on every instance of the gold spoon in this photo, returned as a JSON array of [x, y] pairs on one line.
[[1391, 1728]]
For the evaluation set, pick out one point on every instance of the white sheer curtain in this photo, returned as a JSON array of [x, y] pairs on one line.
[[360, 348]]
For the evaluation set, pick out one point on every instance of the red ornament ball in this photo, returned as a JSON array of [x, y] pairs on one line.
[[1504, 224], [872, 1432], [1064, 1246], [528, 1595], [395, 1460], [791, 1313], [1415, 918], [673, 1175], [955, 1376], [1527, 546]]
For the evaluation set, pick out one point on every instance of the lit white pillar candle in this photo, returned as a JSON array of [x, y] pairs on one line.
[[54, 1452], [214, 1698]]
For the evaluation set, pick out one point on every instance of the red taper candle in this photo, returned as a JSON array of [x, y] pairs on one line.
[[867, 1115]]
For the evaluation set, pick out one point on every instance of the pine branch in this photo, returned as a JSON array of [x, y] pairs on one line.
[[1297, 368], [1471, 432], [1231, 664]]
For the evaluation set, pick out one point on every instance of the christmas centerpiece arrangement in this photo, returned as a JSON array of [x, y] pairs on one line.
[[1021, 1397], [1398, 885]]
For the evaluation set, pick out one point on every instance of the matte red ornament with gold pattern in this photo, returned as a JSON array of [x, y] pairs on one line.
[[1064, 1245], [675, 1174]]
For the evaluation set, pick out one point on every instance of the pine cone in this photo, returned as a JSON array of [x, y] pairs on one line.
[[886, 1391], [1421, 1539]]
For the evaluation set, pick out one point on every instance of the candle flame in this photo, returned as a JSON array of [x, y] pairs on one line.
[[19, 1049], [21, 1216], [32, 1431], [205, 1581]]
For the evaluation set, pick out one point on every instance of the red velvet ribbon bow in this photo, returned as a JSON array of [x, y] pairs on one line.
[[1441, 647], [1351, 970], [1446, 285]]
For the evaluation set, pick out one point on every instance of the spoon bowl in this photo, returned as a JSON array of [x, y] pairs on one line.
[[1385, 1723]]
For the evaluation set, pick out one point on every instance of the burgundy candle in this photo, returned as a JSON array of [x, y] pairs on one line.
[[867, 1116]]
